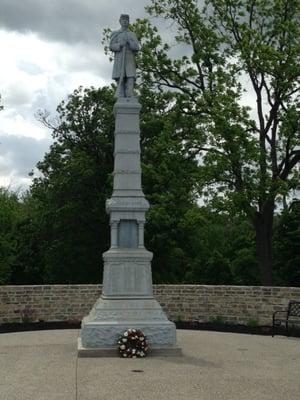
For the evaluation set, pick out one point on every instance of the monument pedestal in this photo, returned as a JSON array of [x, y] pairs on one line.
[[127, 298]]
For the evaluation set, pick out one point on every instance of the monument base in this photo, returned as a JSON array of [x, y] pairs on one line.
[[110, 317], [113, 352], [127, 302]]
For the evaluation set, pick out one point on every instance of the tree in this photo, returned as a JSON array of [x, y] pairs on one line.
[[287, 246], [29, 239], [249, 157], [9, 215], [169, 178], [67, 201], [74, 184], [221, 248]]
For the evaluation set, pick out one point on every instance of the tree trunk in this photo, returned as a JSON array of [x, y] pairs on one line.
[[264, 231]]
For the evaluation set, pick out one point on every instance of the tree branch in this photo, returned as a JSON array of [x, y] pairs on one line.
[[273, 149], [290, 163], [264, 84], [193, 42]]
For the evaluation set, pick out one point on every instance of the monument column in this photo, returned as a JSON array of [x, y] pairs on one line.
[[127, 296]]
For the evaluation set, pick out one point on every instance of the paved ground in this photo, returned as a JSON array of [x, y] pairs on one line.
[[215, 366]]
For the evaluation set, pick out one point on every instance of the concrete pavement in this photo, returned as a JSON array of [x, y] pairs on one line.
[[215, 366]]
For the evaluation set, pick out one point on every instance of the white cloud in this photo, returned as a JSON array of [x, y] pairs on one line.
[[38, 74], [18, 155], [16, 124], [38, 66]]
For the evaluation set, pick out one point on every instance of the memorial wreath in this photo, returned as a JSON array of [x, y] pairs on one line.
[[133, 344]]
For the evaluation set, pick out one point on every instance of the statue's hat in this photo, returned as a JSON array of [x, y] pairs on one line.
[[124, 16]]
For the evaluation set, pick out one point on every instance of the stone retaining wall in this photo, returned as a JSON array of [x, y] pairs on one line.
[[233, 304]]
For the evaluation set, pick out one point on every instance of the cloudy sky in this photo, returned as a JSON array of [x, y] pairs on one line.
[[48, 49]]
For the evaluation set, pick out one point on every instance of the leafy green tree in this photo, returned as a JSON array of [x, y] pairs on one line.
[[222, 249], [30, 237], [75, 181], [67, 202], [287, 247], [249, 157], [169, 178], [9, 215]]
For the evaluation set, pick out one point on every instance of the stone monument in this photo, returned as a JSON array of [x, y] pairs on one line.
[[127, 296]]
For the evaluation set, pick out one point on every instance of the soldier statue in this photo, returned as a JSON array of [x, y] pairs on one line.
[[125, 45]]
